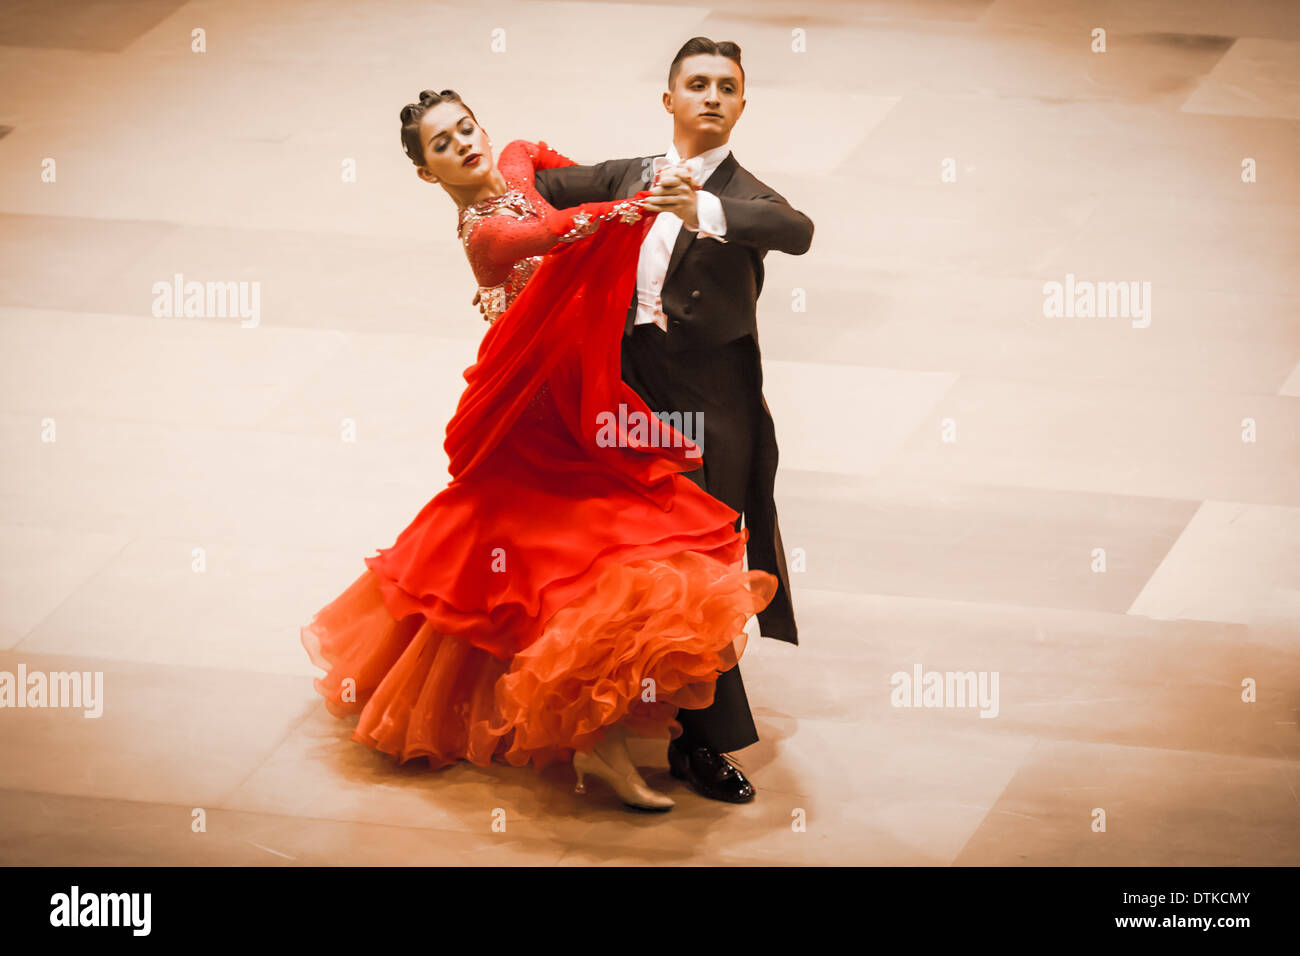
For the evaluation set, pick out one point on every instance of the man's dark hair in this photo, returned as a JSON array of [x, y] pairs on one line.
[[697, 45]]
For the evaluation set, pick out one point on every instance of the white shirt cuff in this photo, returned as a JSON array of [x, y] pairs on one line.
[[709, 212]]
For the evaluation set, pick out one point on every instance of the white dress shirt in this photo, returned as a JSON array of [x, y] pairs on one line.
[[657, 248]]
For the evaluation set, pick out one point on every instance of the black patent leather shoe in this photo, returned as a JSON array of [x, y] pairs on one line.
[[710, 774]]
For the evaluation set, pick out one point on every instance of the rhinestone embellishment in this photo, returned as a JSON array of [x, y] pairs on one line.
[[512, 200], [495, 299], [584, 225]]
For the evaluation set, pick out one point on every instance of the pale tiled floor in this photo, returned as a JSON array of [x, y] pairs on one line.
[[1119, 691]]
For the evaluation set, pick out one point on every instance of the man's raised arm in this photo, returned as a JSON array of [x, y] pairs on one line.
[[767, 222], [567, 186]]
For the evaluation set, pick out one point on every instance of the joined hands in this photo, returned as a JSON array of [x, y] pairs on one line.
[[675, 193]]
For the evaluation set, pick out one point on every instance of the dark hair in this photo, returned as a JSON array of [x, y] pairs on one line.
[[413, 113], [697, 45]]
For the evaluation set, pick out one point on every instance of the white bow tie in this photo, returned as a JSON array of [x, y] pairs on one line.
[[695, 164]]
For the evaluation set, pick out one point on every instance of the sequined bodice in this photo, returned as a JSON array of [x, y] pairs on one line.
[[521, 202], [497, 298], [506, 237]]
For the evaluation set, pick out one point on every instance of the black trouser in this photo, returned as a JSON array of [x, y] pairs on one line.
[[723, 384]]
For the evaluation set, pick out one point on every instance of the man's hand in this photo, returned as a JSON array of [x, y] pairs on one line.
[[675, 193]]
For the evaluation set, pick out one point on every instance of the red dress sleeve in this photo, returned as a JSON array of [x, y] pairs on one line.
[[501, 240], [547, 158]]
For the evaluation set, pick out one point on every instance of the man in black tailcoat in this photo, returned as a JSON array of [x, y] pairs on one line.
[[691, 344]]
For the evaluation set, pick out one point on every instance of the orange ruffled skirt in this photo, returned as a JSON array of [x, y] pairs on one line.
[[650, 637]]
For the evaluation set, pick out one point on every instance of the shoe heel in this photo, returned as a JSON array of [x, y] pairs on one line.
[[631, 788]]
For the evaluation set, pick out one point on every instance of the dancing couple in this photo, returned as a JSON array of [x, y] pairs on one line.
[[565, 590]]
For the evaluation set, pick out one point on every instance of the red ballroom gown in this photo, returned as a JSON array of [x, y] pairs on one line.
[[562, 582]]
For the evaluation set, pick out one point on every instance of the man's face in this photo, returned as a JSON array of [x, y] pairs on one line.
[[707, 96]]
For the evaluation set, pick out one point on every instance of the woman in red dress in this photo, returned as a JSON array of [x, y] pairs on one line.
[[565, 589]]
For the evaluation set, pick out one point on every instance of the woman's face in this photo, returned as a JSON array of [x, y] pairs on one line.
[[456, 150]]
